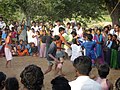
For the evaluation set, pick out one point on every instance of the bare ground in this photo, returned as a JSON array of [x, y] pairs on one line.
[[19, 63]]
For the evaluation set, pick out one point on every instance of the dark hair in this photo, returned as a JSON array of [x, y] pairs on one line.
[[61, 29], [32, 77], [2, 79], [79, 24], [56, 37], [58, 21], [60, 83], [115, 35], [74, 32], [99, 30], [117, 84], [74, 41], [89, 36], [103, 70], [68, 23], [12, 84], [83, 65]]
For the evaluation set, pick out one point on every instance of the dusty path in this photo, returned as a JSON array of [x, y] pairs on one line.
[[19, 63]]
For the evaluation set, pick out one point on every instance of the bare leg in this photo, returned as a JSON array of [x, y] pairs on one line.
[[48, 70], [7, 64]]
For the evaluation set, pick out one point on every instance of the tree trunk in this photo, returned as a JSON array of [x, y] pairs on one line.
[[115, 15]]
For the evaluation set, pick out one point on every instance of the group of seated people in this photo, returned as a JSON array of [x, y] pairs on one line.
[[21, 48], [32, 78]]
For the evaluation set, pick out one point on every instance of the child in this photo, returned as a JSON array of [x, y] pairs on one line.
[[103, 71], [43, 44], [8, 53], [34, 49], [52, 53], [89, 46], [114, 52], [76, 50], [11, 84], [107, 49]]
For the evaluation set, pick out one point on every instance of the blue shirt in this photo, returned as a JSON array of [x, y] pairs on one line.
[[89, 47]]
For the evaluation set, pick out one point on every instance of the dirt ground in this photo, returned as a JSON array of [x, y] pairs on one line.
[[19, 63]]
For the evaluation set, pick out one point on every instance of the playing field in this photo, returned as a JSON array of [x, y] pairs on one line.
[[19, 63]]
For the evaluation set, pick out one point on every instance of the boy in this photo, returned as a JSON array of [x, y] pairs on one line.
[[52, 53]]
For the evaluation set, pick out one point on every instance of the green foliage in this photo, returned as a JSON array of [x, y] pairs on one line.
[[82, 10]]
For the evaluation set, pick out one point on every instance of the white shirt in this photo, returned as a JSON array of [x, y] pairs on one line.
[[56, 30], [2, 25], [84, 83], [10, 27], [35, 28], [34, 39], [79, 32], [76, 51], [29, 36]]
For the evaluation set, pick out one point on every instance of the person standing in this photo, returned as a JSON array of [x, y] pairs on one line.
[[83, 66], [8, 53]]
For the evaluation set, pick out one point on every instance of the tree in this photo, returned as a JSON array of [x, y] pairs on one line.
[[113, 6], [8, 8]]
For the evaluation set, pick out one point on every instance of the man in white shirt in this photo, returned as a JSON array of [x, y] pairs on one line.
[[2, 24], [79, 30], [83, 66], [34, 26], [56, 29], [29, 34]]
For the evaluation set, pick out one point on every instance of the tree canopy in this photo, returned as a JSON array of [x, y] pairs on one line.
[[60, 9]]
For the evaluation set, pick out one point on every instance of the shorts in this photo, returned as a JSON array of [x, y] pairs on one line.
[[50, 63], [60, 54]]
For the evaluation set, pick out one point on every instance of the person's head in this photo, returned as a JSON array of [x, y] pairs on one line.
[[21, 41], [43, 32], [33, 30], [33, 23], [98, 31], [22, 27], [109, 36], [2, 80], [114, 38], [74, 41], [56, 38], [61, 30], [117, 84], [32, 77], [74, 33], [32, 44], [103, 70], [60, 83], [106, 29], [83, 65], [28, 28], [58, 22], [68, 25], [11, 84], [79, 25], [89, 31], [89, 37], [117, 28], [13, 28]]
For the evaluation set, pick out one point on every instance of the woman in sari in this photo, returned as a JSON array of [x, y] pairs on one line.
[[99, 46]]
